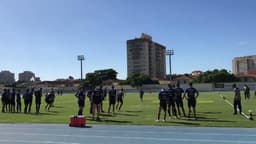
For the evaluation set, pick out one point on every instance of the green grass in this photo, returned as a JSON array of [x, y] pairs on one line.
[[212, 112]]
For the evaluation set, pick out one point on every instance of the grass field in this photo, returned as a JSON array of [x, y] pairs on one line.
[[212, 110]]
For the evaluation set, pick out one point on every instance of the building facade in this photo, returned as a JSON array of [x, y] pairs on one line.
[[27, 76], [244, 65], [146, 57], [6, 77]]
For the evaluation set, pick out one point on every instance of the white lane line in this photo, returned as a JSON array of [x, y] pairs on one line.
[[139, 132], [228, 102], [34, 142], [98, 137]]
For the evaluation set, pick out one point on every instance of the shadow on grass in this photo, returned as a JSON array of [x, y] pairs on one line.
[[125, 114], [205, 119], [134, 111], [58, 107], [184, 123], [107, 115], [211, 112]]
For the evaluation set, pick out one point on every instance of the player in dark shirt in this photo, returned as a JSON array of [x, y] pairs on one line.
[[49, 99], [97, 100], [191, 95], [246, 92], [4, 99], [38, 95], [26, 100], [120, 97], [89, 96], [81, 101], [30, 99], [112, 99], [102, 97], [18, 101], [12, 100], [237, 99], [141, 94], [179, 100], [171, 101], [163, 98]]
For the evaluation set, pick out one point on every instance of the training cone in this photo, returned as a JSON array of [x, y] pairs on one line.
[[250, 115]]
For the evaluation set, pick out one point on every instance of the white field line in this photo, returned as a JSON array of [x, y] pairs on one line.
[[228, 102], [126, 132], [33, 142], [98, 137]]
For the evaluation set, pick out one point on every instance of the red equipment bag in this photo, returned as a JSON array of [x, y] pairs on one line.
[[77, 121]]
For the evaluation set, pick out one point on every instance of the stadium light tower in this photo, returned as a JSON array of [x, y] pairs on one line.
[[81, 58], [169, 53]]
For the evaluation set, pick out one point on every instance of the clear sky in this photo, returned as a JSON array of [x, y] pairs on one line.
[[45, 36]]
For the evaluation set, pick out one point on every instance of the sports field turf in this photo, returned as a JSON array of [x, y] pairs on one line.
[[212, 111]]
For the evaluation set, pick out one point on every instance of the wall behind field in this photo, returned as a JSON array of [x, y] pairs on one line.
[[202, 86]]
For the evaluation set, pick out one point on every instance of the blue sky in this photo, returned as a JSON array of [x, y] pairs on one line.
[[45, 36]]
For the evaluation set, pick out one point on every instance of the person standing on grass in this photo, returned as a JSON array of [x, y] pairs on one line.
[[30, 99], [4, 99], [246, 92], [81, 100], [105, 93], [179, 100], [171, 101], [89, 96], [12, 100], [26, 100], [163, 98], [237, 99], [102, 97], [112, 99], [38, 95], [18, 101], [97, 100], [191, 95], [120, 97], [141, 94]]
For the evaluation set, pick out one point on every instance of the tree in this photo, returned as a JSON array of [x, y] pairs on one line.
[[91, 80], [216, 76], [106, 74], [138, 80]]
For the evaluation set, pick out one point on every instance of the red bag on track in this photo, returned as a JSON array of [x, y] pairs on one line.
[[77, 121]]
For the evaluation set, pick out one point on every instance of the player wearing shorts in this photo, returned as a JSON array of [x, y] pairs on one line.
[[96, 100], [112, 99], [246, 92], [179, 100], [171, 108], [4, 99], [38, 95], [237, 99], [163, 98], [18, 101], [80, 101], [120, 97], [191, 95]]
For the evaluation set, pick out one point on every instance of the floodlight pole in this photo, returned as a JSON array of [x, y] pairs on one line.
[[169, 53], [81, 58]]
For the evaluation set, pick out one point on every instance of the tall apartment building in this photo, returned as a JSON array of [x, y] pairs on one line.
[[27, 76], [244, 65], [6, 77], [146, 57]]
